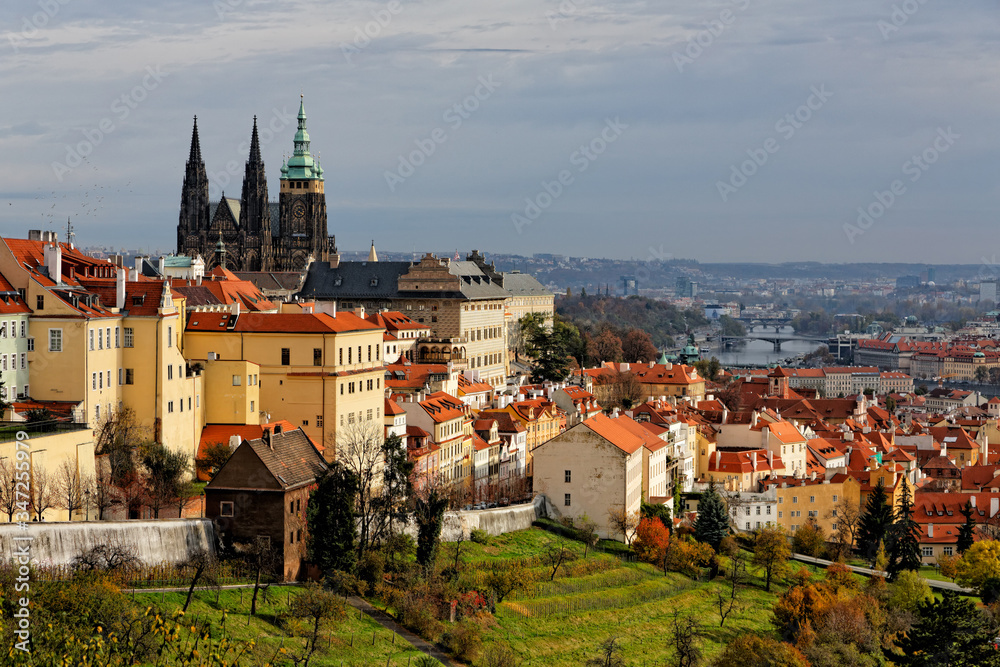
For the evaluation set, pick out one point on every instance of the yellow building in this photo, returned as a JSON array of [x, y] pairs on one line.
[[802, 499], [317, 371], [449, 422]]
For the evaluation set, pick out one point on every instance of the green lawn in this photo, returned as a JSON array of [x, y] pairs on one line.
[[348, 642]]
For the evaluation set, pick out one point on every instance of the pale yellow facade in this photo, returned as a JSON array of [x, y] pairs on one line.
[[805, 499], [46, 454]]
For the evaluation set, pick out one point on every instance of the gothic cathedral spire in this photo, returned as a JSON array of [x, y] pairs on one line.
[[255, 212], [193, 224]]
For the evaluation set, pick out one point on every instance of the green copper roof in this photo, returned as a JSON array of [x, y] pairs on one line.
[[302, 165], [663, 358]]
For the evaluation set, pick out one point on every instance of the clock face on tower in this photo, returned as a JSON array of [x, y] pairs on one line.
[[299, 210]]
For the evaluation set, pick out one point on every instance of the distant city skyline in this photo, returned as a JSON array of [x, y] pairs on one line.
[[733, 131]]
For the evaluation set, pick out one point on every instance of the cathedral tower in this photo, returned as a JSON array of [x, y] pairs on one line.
[[302, 203], [192, 228], [256, 248]]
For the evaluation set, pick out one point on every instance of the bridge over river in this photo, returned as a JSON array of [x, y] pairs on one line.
[[776, 339]]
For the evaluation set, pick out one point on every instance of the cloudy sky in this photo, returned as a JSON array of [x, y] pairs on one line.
[[748, 130]]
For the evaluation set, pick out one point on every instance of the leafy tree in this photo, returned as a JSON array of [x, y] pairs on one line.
[[213, 458], [950, 631], [551, 347], [656, 511], [712, 524], [875, 522], [688, 556], [652, 539], [332, 520], [908, 591], [979, 563], [967, 531], [397, 484], [165, 470], [809, 539], [847, 515], [771, 553], [800, 609], [890, 405], [708, 368], [948, 566], [752, 650], [586, 531], [606, 347], [732, 326], [904, 551], [317, 606], [637, 347], [503, 581], [429, 516]]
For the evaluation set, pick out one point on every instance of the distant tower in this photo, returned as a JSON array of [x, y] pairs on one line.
[[302, 202], [220, 252], [192, 227], [255, 212], [372, 255]]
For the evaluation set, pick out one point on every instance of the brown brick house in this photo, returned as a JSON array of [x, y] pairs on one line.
[[262, 492]]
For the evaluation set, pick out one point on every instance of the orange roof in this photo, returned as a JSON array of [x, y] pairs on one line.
[[220, 433], [293, 323], [442, 407], [392, 408], [617, 433]]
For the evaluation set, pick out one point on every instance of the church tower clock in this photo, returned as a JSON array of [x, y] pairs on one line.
[[302, 204]]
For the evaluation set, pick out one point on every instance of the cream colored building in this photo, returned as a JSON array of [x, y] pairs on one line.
[[593, 469]]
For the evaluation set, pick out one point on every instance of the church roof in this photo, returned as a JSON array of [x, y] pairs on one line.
[[523, 284]]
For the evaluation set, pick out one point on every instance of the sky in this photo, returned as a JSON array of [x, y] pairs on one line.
[[730, 130]]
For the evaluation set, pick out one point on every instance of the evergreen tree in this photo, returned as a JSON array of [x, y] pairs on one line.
[[712, 524], [967, 531], [875, 522], [904, 548], [551, 348], [332, 520], [397, 486], [429, 515], [950, 631]]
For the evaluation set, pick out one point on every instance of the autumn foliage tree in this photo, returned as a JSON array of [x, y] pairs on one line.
[[652, 539], [752, 650], [637, 347], [771, 553]]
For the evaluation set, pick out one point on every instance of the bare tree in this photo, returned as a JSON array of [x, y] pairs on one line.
[[205, 567], [727, 598], [620, 389], [684, 634], [264, 560], [608, 655], [42, 493], [359, 449], [555, 557], [847, 515], [624, 522], [586, 528], [103, 495], [69, 488], [8, 497], [735, 503]]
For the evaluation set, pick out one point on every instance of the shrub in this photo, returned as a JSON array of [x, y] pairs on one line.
[[688, 557], [840, 576], [651, 541], [479, 536], [464, 640], [345, 583], [808, 539], [499, 655], [371, 567]]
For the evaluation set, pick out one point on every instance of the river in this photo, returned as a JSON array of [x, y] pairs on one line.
[[760, 352]]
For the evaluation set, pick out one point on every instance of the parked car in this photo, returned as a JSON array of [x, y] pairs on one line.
[[504, 502], [479, 506]]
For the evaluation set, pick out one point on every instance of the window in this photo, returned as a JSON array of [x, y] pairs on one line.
[[568, 476], [566, 500], [812, 499], [237, 380], [100, 339], [24, 328], [170, 372], [226, 508], [350, 352], [317, 356], [129, 337], [170, 406], [129, 376], [93, 381], [758, 510], [91, 332], [319, 421], [835, 499], [947, 551], [341, 390], [768, 510], [109, 378], [118, 336], [926, 552], [340, 353], [780, 514], [189, 405], [305, 422], [369, 353], [31, 345], [40, 302], [97, 412], [291, 507], [24, 361], [170, 336], [285, 356], [795, 499]]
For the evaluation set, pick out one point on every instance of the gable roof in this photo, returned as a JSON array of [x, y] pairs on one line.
[[292, 459]]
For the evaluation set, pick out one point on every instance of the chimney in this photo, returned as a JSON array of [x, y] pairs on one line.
[[624, 366], [930, 530], [753, 419], [994, 506], [754, 461], [138, 264], [725, 415], [277, 429], [120, 289], [235, 441], [652, 363], [53, 262], [972, 499], [266, 437], [944, 449], [764, 436], [161, 265], [812, 475], [770, 459], [133, 275], [718, 459]]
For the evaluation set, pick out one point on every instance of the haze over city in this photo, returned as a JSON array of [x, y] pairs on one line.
[[829, 102]]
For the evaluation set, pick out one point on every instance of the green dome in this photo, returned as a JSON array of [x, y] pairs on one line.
[[302, 165]]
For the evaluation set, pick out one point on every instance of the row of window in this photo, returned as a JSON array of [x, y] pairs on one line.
[[370, 384], [484, 360], [377, 414], [318, 355], [13, 329], [13, 362], [486, 333], [126, 340], [252, 380]]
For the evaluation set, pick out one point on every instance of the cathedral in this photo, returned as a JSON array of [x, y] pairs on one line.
[[254, 234]]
